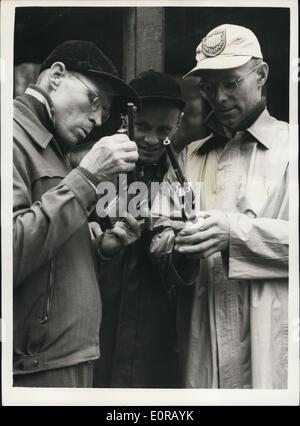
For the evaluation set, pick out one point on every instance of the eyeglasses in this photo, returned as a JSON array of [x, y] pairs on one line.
[[208, 89], [96, 103]]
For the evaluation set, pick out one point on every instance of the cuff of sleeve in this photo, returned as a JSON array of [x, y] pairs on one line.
[[92, 179], [251, 255], [82, 189]]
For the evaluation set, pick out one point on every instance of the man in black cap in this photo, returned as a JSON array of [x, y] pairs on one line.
[[237, 334], [138, 332], [57, 305]]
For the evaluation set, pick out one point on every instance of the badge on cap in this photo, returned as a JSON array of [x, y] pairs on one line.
[[214, 44]]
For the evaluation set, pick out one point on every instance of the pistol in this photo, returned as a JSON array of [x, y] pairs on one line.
[[127, 126], [185, 192]]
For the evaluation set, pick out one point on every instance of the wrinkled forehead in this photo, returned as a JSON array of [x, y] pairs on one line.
[[158, 108], [158, 113], [223, 74]]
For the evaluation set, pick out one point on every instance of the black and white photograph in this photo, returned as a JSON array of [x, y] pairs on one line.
[[149, 203]]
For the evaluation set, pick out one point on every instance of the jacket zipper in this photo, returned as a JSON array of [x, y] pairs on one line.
[[49, 295]]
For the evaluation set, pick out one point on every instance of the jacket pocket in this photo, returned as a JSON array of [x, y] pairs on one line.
[[46, 312]]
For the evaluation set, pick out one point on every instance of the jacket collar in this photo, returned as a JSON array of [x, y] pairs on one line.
[[42, 97], [28, 119], [263, 130]]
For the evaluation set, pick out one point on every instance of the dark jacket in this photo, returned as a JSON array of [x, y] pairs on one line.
[[57, 306], [138, 336]]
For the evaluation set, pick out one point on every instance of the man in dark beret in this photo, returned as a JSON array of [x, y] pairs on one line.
[[57, 304]]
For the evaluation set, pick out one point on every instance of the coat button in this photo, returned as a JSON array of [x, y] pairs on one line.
[[35, 363], [22, 366]]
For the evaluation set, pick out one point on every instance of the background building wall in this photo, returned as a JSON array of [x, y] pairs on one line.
[[165, 39]]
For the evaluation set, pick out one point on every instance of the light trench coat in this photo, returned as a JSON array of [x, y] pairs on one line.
[[235, 331]]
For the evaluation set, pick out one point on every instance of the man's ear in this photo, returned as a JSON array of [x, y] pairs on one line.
[[57, 73], [262, 73]]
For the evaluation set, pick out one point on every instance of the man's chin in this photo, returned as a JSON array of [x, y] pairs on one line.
[[229, 118], [68, 144], [229, 123]]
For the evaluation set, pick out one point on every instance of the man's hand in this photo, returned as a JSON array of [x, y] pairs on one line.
[[206, 237], [110, 156], [178, 225], [121, 235]]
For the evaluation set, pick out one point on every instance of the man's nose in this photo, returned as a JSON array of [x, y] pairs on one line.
[[220, 95], [151, 139], [96, 118]]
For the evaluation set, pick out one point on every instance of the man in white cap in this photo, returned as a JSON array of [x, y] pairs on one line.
[[237, 334]]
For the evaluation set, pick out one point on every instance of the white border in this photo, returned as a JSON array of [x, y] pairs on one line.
[[135, 397]]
